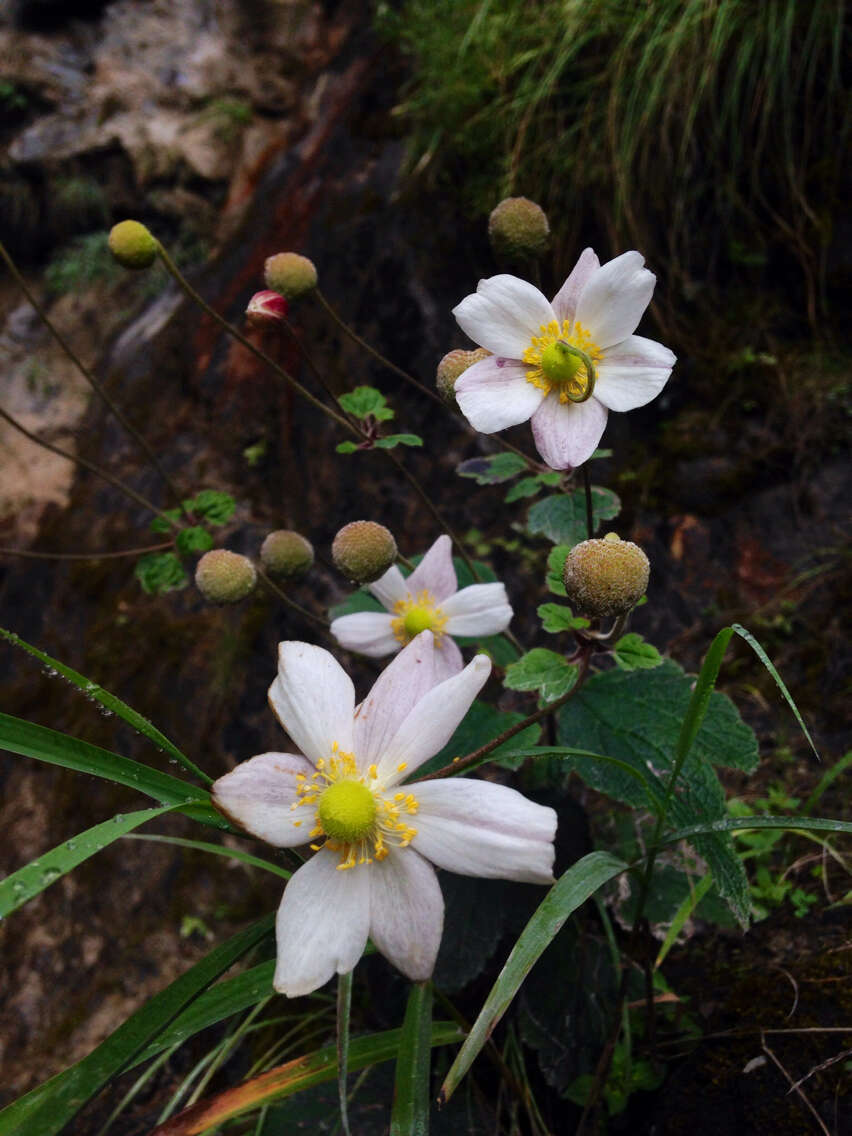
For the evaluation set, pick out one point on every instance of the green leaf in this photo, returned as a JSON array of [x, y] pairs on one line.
[[217, 850], [392, 440], [830, 775], [558, 617], [20, 887], [767, 662], [364, 402], [110, 703], [572, 889], [734, 824], [47, 1109], [346, 447], [526, 487], [542, 670], [494, 469], [410, 1115], [213, 506], [194, 539], [159, 572], [44, 744], [555, 567], [562, 518], [161, 525], [482, 723], [632, 653]]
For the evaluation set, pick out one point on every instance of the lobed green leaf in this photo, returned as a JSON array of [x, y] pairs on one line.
[[545, 671], [494, 469], [562, 518], [633, 653]]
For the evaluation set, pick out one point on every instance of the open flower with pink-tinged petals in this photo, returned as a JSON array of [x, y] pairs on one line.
[[375, 839], [429, 599], [534, 371]]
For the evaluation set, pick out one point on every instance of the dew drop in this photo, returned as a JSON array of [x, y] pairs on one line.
[[49, 875]]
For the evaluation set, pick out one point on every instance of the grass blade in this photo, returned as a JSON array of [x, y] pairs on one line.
[[411, 1086], [827, 778], [573, 888], [767, 662], [344, 1007], [734, 824], [217, 850]]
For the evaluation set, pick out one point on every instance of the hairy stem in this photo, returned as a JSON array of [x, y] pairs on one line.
[[291, 603], [30, 554]]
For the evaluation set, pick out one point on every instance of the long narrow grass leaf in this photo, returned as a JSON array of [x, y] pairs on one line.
[[779, 682], [216, 850], [410, 1116], [735, 824], [827, 778]]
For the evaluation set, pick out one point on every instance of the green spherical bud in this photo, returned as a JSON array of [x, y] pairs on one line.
[[225, 577], [132, 245], [605, 577], [452, 366], [290, 275], [286, 554], [518, 229], [363, 551]]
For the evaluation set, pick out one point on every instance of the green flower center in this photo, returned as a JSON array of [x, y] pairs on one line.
[[347, 811], [416, 615], [559, 365], [418, 619]]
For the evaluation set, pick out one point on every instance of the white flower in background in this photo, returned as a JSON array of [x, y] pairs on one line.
[[373, 837], [530, 375], [428, 599]]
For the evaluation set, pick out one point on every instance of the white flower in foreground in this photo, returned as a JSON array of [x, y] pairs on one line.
[[529, 375], [374, 839], [428, 600]]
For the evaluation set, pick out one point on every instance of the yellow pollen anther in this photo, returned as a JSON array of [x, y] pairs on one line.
[[372, 773], [401, 768], [554, 369]]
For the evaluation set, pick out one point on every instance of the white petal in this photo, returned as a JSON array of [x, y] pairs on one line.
[[633, 372], [565, 300], [476, 828], [612, 302], [435, 572], [390, 588], [448, 659], [322, 924], [504, 314], [395, 692], [313, 698], [258, 796], [406, 912], [494, 394], [367, 632], [567, 433], [481, 609], [432, 722]]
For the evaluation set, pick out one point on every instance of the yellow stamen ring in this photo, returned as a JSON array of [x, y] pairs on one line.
[[563, 359], [416, 615]]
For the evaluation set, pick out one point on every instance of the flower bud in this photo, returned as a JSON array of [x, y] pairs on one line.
[[266, 309], [290, 275], [224, 577], [518, 229], [132, 245], [286, 554], [363, 551], [453, 365], [605, 577]]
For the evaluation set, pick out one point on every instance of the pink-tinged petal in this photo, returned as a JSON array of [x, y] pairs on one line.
[[390, 588], [565, 300], [633, 372], [313, 699], [614, 299], [367, 632], [395, 692], [494, 394], [435, 572], [406, 912], [322, 924], [448, 659], [260, 796], [432, 722], [503, 315], [476, 828], [567, 433], [481, 609]]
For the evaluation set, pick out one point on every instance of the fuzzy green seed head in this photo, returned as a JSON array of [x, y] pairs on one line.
[[518, 229], [290, 275], [363, 551], [605, 577], [286, 554], [132, 245], [347, 810], [224, 577], [453, 366]]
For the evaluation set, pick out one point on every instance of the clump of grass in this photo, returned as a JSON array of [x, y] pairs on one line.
[[707, 133], [80, 263]]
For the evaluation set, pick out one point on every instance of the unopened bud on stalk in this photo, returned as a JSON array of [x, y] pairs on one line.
[[286, 554], [605, 577], [290, 275], [266, 309], [363, 551], [452, 366], [224, 577], [132, 245], [518, 229]]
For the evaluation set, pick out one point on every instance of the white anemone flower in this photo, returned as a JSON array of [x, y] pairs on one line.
[[429, 599], [375, 839], [534, 371]]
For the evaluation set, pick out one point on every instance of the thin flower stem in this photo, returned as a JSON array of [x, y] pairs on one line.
[[461, 763], [30, 554], [590, 513], [88, 375], [282, 595], [344, 1005], [303, 351], [90, 466]]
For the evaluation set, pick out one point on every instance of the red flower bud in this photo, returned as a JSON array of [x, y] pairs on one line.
[[265, 309]]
